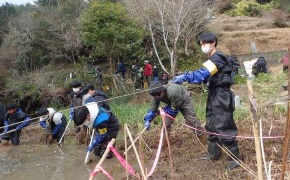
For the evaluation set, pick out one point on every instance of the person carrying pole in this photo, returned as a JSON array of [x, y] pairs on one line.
[[15, 115], [177, 99], [56, 122], [221, 100], [105, 123]]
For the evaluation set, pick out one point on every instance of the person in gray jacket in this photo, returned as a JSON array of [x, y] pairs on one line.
[[177, 99]]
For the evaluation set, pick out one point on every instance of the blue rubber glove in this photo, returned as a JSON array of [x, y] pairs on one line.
[[24, 124], [98, 139], [19, 128], [71, 113], [150, 115], [171, 111], [147, 124], [6, 123], [56, 129], [192, 77], [44, 125]]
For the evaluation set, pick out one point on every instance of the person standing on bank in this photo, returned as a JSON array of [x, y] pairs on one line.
[[155, 74], [147, 72], [220, 103], [285, 61]]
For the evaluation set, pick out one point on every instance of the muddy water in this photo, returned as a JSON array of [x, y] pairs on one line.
[[33, 161]]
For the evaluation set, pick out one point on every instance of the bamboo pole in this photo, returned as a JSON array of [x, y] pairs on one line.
[[287, 135], [88, 153], [254, 109], [103, 157], [137, 156], [141, 149], [64, 133], [135, 140], [125, 136]]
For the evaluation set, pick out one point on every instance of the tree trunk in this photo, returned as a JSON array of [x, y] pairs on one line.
[[186, 46], [112, 73]]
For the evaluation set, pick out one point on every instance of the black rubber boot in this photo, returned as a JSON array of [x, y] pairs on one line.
[[231, 165]]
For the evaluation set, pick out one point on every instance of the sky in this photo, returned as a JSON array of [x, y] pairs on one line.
[[18, 2]]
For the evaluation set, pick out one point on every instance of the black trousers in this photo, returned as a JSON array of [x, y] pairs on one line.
[[219, 119], [15, 137]]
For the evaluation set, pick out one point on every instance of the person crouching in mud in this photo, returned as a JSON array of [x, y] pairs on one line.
[[57, 122], [104, 122], [16, 119]]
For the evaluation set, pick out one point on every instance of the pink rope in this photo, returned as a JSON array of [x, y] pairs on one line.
[[158, 153], [121, 160], [225, 135], [100, 168]]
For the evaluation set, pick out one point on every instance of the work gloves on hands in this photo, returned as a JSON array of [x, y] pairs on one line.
[[6, 127], [192, 77], [148, 118], [44, 125], [98, 139], [171, 111]]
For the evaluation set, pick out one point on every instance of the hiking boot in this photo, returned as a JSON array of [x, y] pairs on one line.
[[231, 165]]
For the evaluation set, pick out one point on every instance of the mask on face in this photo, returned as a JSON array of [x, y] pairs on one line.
[[206, 49], [76, 90]]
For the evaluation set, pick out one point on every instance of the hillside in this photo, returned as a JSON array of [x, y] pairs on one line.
[[237, 33]]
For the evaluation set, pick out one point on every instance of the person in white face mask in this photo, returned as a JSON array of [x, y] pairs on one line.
[[78, 96], [220, 104]]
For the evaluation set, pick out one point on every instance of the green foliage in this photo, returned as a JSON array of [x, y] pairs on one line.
[[241, 114], [263, 78], [246, 8], [129, 113], [250, 8], [109, 30], [238, 79]]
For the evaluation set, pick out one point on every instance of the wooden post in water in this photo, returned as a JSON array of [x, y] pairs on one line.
[[103, 157], [254, 110]]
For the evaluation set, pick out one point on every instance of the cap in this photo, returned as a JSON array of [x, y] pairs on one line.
[[80, 114], [76, 84], [11, 105], [156, 88]]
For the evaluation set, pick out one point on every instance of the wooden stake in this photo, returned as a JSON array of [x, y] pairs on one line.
[[125, 136], [141, 149], [287, 135], [103, 157], [254, 110], [135, 140], [137, 156]]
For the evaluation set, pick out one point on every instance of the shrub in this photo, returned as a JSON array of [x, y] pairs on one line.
[[246, 8], [238, 79]]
